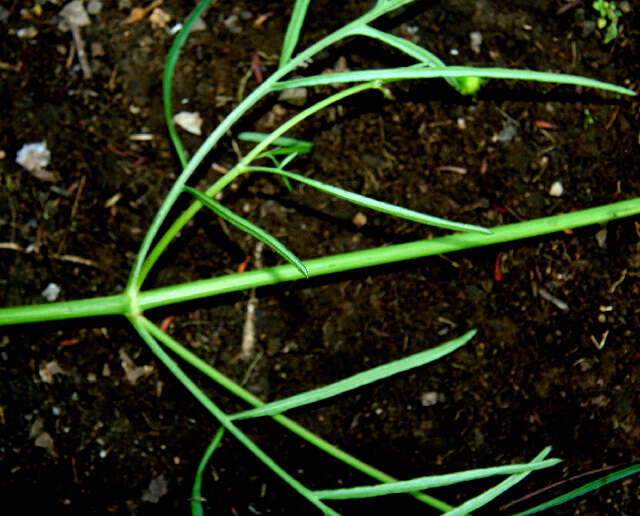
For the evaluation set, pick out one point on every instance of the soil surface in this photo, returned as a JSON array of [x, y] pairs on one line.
[[92, 423]]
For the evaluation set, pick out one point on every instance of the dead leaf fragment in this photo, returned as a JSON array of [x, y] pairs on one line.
[[133, 372]]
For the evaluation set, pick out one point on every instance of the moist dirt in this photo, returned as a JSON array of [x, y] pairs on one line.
[[92, 423]]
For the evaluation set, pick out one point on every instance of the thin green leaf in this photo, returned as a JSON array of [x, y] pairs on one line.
[[248, 227], [167, 77], [430, 482], [357, 380], [389, 5], [196, 491], [583, 490], [283, 141], [293, 31], [373, 204], [284, 151], [490, 494], [407, 47], [412, 72]]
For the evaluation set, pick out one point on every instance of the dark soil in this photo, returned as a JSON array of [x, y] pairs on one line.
[[88, 441]]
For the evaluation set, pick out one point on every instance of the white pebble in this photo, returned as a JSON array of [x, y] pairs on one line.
[[556, 189], [51, 292], [189, 121], [33, 156]]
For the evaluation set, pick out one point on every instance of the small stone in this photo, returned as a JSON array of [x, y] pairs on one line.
[[33, 156], [158, 487], [601, 237], [232, 23], [51, 292], [556, 189], [508, 133], [359, 220], [49, 370], [199, 25], [294, 96], [429, 399], [159, 18], [44, 440], [29, 32], [94, 7], [476, 41], [189, 121]]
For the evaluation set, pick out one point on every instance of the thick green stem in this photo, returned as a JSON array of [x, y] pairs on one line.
[[123, 305], [379, 256], [96, 307]]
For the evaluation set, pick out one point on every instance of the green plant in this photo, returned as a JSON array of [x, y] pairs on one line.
[[589, 118], [608, 17], [278, 152]]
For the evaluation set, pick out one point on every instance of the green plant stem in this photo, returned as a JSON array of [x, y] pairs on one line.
[[94, 307], [122, 304], [379, 256], [135, 278], [289, 424], [196, 492], [143, 327], [168, 73], [240, 168]]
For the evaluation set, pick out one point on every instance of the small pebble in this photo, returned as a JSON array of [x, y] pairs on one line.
[[29, 32], [189, 121], [601, 237], [294, 96], [556, 189], [476, 41], [33, 156], [94, 7], [508, 133], [51, 292], [359, 220]]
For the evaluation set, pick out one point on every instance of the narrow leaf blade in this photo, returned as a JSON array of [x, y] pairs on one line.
[[487, 496], [409, 48], [357, 380], [583, 490], [373, 204], [293, 31], [412, 72], [430, 482], [248, 227], [300, 146]]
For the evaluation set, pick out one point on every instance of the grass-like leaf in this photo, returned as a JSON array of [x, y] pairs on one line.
[[196, 491], [413, 72], [248, 227], [167, 77], [293, 31], [357, 380], [409, 48], [490, 494], [373, 204], [583, 490], [430, 482], [301, 146]]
